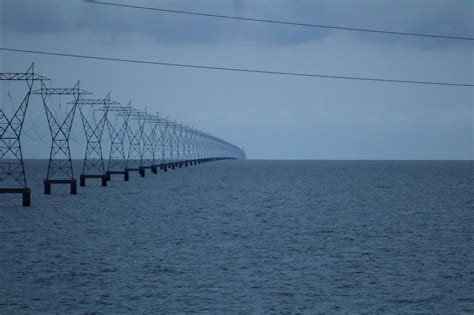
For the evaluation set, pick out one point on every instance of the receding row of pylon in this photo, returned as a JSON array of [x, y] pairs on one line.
[[137, 139]]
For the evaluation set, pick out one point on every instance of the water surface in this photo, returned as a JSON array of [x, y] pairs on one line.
[[249, 236]]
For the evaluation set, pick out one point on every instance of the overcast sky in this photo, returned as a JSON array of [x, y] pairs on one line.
[[272, 117]]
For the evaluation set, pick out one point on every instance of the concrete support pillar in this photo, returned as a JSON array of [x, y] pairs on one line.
[[104, 181], [74, 187], [26, 198], [47, 187]]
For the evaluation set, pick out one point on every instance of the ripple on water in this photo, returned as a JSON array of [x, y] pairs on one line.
[[246, 236]]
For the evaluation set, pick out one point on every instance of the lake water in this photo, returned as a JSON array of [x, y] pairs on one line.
[[246, 236]]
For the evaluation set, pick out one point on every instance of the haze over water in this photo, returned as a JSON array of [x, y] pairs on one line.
[[249, 236]]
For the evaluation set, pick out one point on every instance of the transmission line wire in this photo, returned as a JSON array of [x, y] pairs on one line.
[[244, 70], [341, 28]]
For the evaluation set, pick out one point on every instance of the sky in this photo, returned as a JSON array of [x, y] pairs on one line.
[[271, 117]]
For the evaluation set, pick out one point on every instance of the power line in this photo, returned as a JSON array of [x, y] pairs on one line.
[[269, 72], [341, 28]]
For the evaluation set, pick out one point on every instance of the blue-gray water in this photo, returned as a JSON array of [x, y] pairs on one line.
[[247, 236]]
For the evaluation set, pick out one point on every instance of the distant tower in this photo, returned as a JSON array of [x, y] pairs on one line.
[[134, 136], [117, 161], [94, 117]]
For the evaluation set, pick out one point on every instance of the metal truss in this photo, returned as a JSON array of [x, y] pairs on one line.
[[201, 146], [94, 124], [60, 169], [12, 169], [148, 148], [150, 143], [193, 136], [172, 143], [135, 137], [183, 146], [117, 161], [169, 142], [186, 145], [164, 130], [179, 142], [158, 143]]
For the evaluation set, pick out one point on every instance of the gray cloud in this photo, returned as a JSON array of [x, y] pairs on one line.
[[435, 16]]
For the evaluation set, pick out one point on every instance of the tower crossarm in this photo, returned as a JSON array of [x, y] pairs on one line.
[[76, 90], [19, 76]]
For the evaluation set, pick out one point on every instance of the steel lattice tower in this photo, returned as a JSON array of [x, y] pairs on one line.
[[163, 140], [191, 146], [186, 145], [60, 169], [148, 148], [154, 121], [117, 161], [179, 143], [94, 125], [12, 169], [172, 135], [134, 134], [158, 150]]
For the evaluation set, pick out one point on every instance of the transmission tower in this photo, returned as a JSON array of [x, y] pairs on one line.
[[163, 139], [178, 142], [172, 135], [117, 161], [134, 135], [200, 147], [155, 121], [191, 146], [185, 145], [60, 169], [93, 122], [158, 143], [12, 169], [148, 148]]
